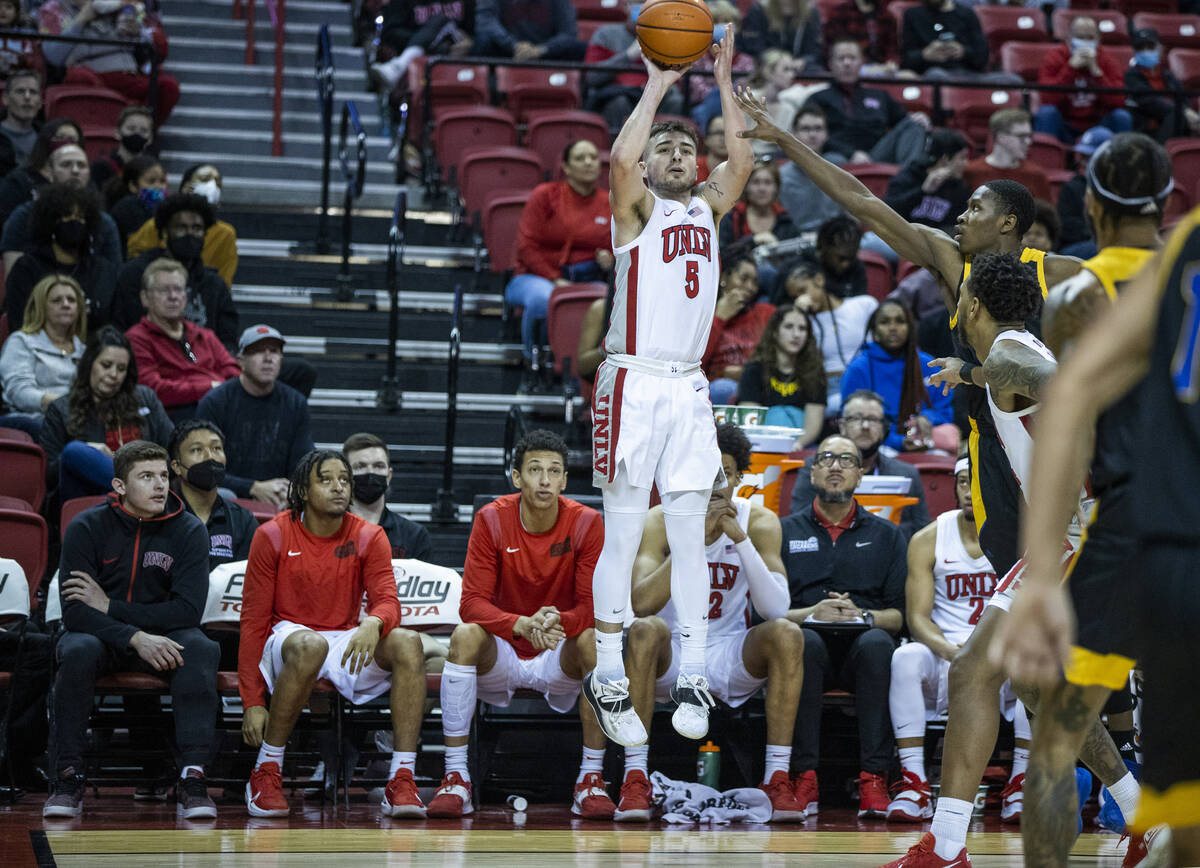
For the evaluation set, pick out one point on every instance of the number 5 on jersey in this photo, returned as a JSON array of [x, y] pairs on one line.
[[691, 280]]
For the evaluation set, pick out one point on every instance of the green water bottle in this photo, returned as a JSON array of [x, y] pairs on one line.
[[708, 765]]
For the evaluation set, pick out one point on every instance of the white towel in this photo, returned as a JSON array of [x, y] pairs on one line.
[[684, 802]]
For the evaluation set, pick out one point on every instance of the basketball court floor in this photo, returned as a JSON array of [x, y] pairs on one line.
[[119, 832]]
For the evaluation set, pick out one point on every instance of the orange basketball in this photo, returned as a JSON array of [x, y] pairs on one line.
[[674, 32]]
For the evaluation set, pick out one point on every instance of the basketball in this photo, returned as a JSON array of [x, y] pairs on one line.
[[674, 32]]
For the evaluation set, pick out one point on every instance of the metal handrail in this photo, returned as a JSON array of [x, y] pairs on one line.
[[277, 9], [354, 177], [325, 90], [389, 389], [444, 509]]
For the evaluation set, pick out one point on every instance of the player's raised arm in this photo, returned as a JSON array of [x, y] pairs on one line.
[[628, 195], [921, 245], [726, 181]]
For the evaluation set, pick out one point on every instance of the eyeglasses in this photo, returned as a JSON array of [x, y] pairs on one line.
[[863, 420], [807, 128], [186, 346], [1022, 136], [845, 460]]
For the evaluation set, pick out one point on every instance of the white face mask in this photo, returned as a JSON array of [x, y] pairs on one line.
[[209, 190]]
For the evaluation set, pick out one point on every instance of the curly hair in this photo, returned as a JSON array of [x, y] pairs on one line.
[[123, 409], [1130, 176], [912, 385], [57, 202], [301, 478], [732, 441], [1006, 287], [1013, 198], [808, 367], [538, 440], [172, 205]]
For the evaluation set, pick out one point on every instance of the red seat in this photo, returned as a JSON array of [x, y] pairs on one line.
[[466, 128], [531, 90], [1178, 203], [937, 478], [1058, 177], [94, 108], [451, 85], [904, 269], [15, 434], [874, 175], [73, 507], [24, 473], [973, 107], [98, 142], [1185, 64], [1024, 58], [896, 9], [564, 319], [600, 10], [262, 512], [1174, 31], [1185, 157], [1122, 56], [501, 219], [7, 502], [550, 132], [1113, 26], [587, 27], [24, 538], [1129, 7], [914, 97], [1003, 24], [879, 274], [4, 332], [489, 170], [1048, 152]]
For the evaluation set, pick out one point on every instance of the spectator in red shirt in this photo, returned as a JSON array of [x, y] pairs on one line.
[[526, 619], [1082, 63], [1012, 134], [564, 237], [869, 24], [614, 94], [302, 620], [738, 324], [179, 360]]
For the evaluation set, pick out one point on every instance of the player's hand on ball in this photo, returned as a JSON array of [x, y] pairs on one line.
[[1034, 641], [666, 76], [764, 127], [723, 53]]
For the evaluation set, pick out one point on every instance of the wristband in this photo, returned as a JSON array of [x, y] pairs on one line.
[[965, 372]]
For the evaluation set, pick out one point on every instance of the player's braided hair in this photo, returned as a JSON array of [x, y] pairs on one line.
[[298, 485], [732, 441], [1130, 175], [1006, 287], [1013, 197]]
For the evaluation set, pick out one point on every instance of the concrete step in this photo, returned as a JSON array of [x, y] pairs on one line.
[[298, 11], [205, 119], [297, 52], [307, 146], [220, 27], [193, 72], [267, 169], [259, 95]]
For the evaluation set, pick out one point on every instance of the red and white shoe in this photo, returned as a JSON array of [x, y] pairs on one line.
[[784, 806], [872, 795], [591, 799], [922, 855], [452, 799], [1012, 798], [914, 803], [264, 792], [1149, 849], [634, 805], [400, 797], [805, 788]]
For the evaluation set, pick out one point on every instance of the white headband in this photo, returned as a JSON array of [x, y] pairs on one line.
[[961, 465]]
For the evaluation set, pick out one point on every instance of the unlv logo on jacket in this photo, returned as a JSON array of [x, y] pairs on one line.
[[686, 239], [162, 560]]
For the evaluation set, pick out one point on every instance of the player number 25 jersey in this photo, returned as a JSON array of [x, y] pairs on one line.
[[666, 285]]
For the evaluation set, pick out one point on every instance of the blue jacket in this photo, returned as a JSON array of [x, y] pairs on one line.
[[876, 369]]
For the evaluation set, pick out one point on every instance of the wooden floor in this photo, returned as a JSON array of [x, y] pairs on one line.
[[116, 831]]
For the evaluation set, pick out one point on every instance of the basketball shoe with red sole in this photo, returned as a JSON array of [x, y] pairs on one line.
[[634, 804], [591, 799], [264, 792], [452, 799], [922, 855], [400, 797]]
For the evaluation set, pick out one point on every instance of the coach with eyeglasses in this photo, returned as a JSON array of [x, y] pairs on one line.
[[865, 422], [846, 572]]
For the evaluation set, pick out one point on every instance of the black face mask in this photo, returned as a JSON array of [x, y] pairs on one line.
[[186, 248], [205, 475], [135, 143], [71, 234], [369, 487]]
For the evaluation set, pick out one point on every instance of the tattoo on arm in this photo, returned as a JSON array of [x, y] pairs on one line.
[[1012, 367], [712, 185]]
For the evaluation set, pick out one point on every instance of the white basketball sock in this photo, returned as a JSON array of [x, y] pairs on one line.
[[636, 757], [912, 759], [593, 761], [1127, 794], [949, 828], [402, 759], [1020, 761], [456, 760], [683, 515], [779, 759], [625, 510], [458, 699], [268, 753], [610, 666]]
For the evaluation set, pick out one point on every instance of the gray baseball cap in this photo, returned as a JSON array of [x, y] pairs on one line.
[[256, 333]]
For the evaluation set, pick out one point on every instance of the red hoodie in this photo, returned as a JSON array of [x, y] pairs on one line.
[[164, 365]]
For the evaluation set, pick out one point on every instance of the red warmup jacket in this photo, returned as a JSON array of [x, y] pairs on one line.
[[1080, 109], [559, 227], [511, 572], [164, 366], [732, 341], [315, 581]]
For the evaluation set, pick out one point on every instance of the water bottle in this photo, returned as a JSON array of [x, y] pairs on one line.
[[708, 765]]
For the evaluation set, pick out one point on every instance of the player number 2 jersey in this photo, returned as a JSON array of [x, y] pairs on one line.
[[666, 285], [962, 585], [728, 587]]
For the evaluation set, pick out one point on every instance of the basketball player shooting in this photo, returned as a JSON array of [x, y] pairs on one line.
[[652, 419]]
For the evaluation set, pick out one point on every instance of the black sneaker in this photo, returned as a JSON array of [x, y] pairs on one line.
[[192, 795], [156, 792], [66, 796]]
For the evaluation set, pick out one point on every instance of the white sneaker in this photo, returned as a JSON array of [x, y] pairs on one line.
[[385, 75], [691, 695], [610, 700]]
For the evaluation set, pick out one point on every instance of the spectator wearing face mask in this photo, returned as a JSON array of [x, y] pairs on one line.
[[220, 239], [1152, 89], [134, 195], [1082, 63], [182, 220], [64, 227], [134, 135], [371, 469]]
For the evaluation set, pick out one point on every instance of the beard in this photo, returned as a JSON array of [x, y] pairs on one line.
[[824, 495], [668, 183]]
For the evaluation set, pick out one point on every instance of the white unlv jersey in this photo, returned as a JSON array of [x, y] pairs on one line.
[[1015, 430], [666, 285], [962, 584], [729, 589]]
